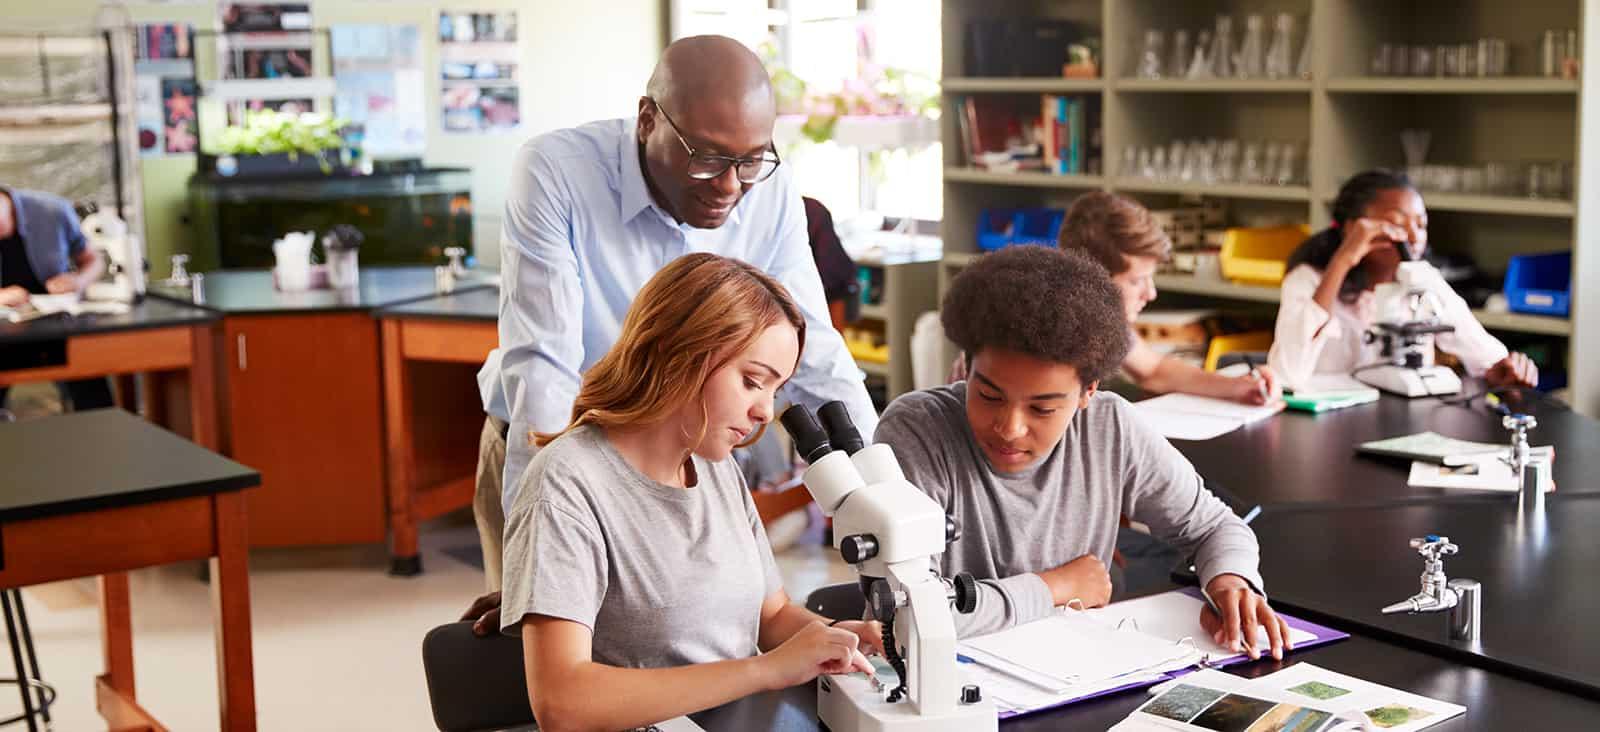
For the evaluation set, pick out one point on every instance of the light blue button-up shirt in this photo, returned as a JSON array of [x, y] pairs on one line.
[[581, 237]]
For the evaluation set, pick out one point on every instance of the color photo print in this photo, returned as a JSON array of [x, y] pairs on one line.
[[1224, 712], [478, 72]]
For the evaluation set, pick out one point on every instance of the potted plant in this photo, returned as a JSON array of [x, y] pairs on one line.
[[270, 143]]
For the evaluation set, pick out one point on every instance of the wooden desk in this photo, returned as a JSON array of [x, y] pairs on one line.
[[174, 345], [1539, 597], [103, 492], [1297, 459], [301, 381], [433, 414]]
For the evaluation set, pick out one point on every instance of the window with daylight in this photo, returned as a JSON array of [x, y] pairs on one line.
[[857, 84]]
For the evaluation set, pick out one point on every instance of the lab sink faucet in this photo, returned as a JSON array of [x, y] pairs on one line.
[[1460, 597]]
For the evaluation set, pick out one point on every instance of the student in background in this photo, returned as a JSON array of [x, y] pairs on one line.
[[635, 565], [1124, 238], [43, 252], [1328, 302], [1037, 465]]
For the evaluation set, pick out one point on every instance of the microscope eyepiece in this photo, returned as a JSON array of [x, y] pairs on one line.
[[842, 432], [809, 438]]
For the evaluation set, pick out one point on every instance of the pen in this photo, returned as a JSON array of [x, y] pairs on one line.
[[1261, 384]]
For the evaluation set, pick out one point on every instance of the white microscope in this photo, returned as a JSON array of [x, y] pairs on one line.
[[124, 254], [890, 531], [1408, 319]]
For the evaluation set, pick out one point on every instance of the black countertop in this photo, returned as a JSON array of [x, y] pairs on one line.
[[1298, 459], [152, 312], [477, 305], [250, 292], [105, 458], [1493, 701], [1539, 599]]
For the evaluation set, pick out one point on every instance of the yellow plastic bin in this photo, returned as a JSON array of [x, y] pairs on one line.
[[1256, 256]]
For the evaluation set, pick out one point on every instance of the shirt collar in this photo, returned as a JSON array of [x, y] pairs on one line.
[[636, 193]]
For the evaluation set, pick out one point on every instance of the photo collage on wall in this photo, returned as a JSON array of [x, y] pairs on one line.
[[164, 89], [478, 61], [266, 40]]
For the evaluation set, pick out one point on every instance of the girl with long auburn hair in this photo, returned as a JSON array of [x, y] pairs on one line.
[[636, 567]]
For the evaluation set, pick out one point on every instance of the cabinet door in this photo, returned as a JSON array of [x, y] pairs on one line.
[[304, 410]]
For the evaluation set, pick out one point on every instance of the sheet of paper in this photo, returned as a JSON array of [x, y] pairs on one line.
[[1173, 616], [1206, 406], [1329, 386], [680, 724], [1480, 473], [1074, 649], [1180, 426]]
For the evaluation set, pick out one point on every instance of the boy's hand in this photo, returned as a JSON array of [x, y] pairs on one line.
[[1242, 611]]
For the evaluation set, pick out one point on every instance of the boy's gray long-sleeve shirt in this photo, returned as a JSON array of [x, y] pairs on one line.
[[1107, 465]]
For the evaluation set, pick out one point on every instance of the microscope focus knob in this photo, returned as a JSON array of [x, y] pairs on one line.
[[970, 694], [966, 593], [858, 548]]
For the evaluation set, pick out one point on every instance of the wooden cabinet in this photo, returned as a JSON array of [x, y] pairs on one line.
[[304, 409]]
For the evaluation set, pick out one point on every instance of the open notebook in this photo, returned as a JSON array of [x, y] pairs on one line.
[[1190, 417], [1075, 655], [1300, 698]]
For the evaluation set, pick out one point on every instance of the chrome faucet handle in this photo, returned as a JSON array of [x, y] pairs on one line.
[[1519, 423], [1434, 547]]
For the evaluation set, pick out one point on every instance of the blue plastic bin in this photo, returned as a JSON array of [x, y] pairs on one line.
[[1003, 227], [1540, 284]]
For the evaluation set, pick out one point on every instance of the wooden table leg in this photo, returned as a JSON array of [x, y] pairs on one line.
[[203, 384], [398, 448], [154, 406], [230, 605], [124, 393], [116, 626]]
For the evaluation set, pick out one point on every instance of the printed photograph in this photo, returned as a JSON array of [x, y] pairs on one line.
[[1181, 702], [1290, 718], [1233, 713], [1394, 715], [1318, 690]]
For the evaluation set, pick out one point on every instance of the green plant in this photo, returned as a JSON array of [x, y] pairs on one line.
[[267, 132]]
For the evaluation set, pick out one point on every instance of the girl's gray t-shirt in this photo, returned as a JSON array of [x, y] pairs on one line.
[[661, 576]]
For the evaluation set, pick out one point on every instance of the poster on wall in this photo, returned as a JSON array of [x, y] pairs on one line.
[[164, 52], [378, 77], [478, 72], [180, 130], [266, 40]]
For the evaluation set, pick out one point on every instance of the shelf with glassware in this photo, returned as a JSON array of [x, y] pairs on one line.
[[1497, 92]]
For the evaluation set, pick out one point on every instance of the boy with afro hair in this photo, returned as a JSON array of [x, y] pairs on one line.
[[1037, 465]]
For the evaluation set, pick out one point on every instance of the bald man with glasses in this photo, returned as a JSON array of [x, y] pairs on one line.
[[594, 211]]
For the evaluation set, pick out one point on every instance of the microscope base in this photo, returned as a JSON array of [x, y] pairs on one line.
[[851, 704], [1412, 382]]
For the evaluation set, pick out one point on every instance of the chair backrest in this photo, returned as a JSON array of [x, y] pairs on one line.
[[1222, 345], [838, 602], [475, 683]]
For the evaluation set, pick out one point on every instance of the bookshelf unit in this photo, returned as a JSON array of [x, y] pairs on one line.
[[1344, 119]]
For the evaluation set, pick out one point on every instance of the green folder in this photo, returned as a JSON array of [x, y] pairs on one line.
[[1318, 403]]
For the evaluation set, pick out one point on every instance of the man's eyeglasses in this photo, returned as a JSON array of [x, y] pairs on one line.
[[706, 166]]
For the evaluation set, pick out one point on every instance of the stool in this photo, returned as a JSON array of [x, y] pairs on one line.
[[28, 678]]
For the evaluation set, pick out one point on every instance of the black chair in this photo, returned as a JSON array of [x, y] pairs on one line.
[[838, 602], [475, 684]]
